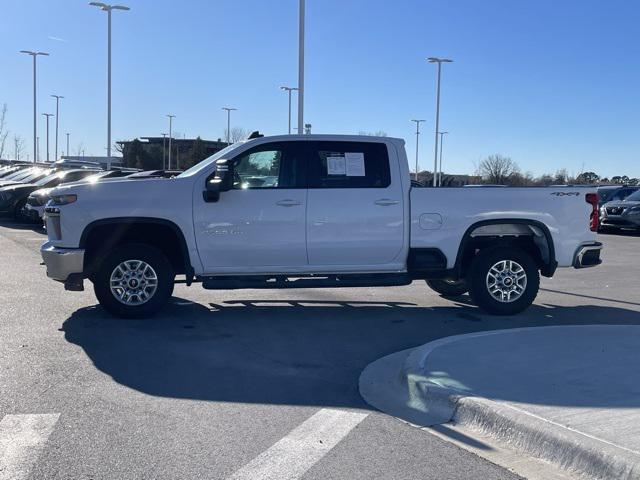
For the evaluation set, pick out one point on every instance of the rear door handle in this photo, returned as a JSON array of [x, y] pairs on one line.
[[385, 202], [287, 202]]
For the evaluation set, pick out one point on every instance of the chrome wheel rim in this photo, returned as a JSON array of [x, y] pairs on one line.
[[133, 282], [506, 281]]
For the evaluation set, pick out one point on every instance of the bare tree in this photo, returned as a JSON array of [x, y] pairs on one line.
[[18, 147], [497, 169], [4, 133], [237, 134]]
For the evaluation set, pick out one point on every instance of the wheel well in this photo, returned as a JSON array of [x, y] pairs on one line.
[[533, 238], [99, 239]]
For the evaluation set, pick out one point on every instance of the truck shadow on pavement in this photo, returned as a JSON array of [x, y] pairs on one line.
[[301, 352]]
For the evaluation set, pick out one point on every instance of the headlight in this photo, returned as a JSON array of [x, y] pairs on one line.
[[58, 200]]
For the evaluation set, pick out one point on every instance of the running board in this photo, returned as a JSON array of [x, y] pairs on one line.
[[320, 281]]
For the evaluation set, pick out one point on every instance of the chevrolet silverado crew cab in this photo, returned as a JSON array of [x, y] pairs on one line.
[[301, 211]]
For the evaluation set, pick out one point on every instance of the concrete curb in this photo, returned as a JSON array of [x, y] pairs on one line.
[[396, 385]]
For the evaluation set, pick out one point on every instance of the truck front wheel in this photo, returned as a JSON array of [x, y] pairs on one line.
[[134, 281], [503, 281]]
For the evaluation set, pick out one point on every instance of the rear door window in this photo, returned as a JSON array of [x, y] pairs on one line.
[[348, 165]]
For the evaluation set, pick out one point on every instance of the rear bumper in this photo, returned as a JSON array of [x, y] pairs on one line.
[[588, 255], [62, 262]]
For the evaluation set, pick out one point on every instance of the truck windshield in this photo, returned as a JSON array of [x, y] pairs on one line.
[[208, 161]]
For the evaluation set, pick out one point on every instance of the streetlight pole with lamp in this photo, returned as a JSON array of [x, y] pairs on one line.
[[48, 115], [35, 114], [108, 8], [171, 117], [164, 150], [68, 153], [57, 97], [289, 90], [442, 134], [301, 14], [417, 136], [439, 61], [229, 110]]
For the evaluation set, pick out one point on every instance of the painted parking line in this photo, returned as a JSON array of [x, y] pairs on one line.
[[21, 440], [292, 456]]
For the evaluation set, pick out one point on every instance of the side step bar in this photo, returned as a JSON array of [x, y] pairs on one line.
[[320, 281]]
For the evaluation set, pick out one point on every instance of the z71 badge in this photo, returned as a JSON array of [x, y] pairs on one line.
[[565, 194]]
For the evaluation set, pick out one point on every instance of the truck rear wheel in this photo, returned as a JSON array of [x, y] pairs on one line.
[[448, 288], [134, 281], [503, 281]]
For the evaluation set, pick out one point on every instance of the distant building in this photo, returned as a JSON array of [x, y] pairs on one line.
[[153, 152]]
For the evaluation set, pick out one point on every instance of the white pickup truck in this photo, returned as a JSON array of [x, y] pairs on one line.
[[301, 211]]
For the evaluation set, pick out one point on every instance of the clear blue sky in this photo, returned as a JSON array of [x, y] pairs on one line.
[[550, 83]]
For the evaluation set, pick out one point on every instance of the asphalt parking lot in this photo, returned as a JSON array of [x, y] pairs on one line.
[[218, 379]]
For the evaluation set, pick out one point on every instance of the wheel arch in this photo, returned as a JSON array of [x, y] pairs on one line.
[[118, 230], [542, 240]]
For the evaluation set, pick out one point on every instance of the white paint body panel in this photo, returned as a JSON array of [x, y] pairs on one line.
[[328, 230]]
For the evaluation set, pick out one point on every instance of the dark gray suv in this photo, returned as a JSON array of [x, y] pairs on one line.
[[621, 213]]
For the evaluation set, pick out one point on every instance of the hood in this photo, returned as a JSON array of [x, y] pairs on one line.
[[19, 187], [622, 203], [119, 186], [41, 192], [8, 182]]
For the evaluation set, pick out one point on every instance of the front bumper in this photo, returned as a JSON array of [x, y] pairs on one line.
[[588, 255], [620, 221], [62, 263], [31, 213]]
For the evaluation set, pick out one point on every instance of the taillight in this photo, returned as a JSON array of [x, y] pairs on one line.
[[594, 219]]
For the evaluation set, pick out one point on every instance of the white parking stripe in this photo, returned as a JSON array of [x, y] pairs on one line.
[[21, 439], [296, 453]]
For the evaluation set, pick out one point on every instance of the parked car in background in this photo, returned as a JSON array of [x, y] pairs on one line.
[[13, 198], [618, 214], [610, 193], [24, 175], [33, 210]]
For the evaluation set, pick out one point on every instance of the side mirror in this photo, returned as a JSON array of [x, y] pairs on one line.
[[221, 182]]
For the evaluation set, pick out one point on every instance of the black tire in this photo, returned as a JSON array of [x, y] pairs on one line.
[[448, 288], [159, 264], [17, 211], [478, 280]]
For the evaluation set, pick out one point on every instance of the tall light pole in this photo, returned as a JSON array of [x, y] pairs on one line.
[[229, 110], [301, 68], [108, 8], [439, 61], [57, 97], [442, 134], [48, 115], [417, 143], [164, 150], [35, 114], [68, 153], [171, 117], [289, 90]]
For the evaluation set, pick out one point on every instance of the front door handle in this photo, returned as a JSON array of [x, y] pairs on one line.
[[287, 202], [385, 202]]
